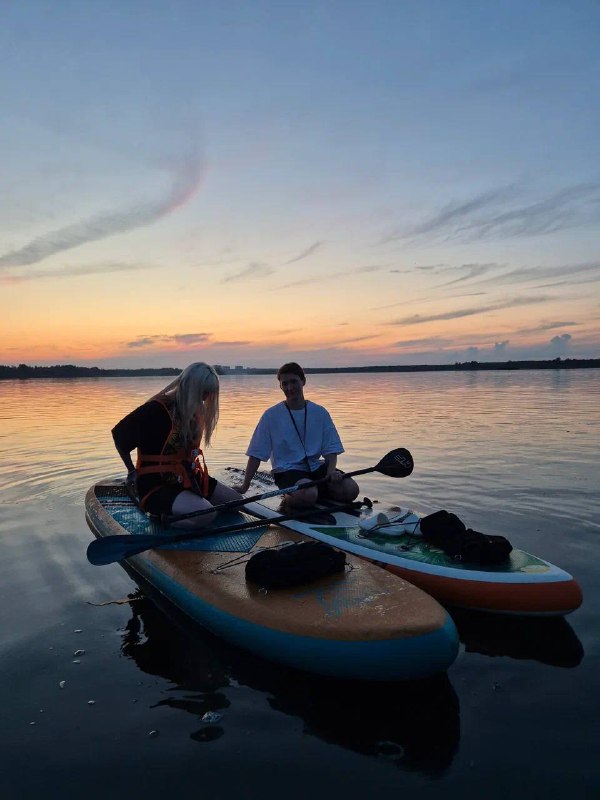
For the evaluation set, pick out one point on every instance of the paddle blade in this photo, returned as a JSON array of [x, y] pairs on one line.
[[117, 547], [396, 464]]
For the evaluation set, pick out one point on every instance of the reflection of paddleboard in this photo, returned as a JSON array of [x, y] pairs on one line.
[[549, 640], [417, 730], [361, 624], [524, 584]]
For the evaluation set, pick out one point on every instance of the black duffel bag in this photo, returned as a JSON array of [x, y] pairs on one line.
[[449, 533], [294, 565]]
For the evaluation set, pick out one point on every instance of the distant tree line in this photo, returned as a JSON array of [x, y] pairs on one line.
[[556, 363], [71, 371], [23, 371]]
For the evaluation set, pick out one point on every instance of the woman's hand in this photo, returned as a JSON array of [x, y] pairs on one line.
[[242, 488], [130, 480]]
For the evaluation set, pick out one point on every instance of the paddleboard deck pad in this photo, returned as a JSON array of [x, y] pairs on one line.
[[523, 584], [360, 624]]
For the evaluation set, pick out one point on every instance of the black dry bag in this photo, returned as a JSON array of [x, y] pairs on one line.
[[448, 532], [294, 565]]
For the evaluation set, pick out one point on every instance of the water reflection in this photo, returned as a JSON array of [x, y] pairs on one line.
[[549, 640], [413, 725], [473, 435]]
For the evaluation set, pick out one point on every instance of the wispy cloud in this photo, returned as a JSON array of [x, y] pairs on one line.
[[186, 182], [75, 271], [358, 339], [454, 216], [305, 253], [420, 268], [181, 341], [186, 339], [471, 271], [426, 341], [548, 326], [331, 276], [425, 298], [587, 272], [190, 338], [417, 319], [451, 215], [143, 341], [254, 270], [502, 213]]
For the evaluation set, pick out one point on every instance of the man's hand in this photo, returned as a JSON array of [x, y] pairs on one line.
[[251, 467], [334, 475]]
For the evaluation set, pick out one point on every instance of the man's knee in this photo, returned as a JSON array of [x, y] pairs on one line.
[[303, 498], [351, 489], [345, 491]]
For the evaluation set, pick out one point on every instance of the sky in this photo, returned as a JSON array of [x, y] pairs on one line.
[[339, 183]]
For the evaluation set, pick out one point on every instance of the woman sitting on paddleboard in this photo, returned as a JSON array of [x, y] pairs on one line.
[[170, 476], [302, 443]]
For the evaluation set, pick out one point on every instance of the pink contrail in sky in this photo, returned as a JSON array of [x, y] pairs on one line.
[[188, 179]]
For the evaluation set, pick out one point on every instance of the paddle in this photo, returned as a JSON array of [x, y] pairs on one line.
[[396, 464], [115, 548]]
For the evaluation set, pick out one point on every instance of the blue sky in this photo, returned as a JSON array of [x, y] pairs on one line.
[[341, 182]]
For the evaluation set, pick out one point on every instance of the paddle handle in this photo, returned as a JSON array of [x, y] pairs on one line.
[[360, 471]]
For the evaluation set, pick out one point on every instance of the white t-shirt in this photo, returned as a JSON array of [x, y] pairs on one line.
[[276, 439]]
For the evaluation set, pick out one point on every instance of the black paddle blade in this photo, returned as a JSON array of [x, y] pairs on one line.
[[119, 547], [397, 464]]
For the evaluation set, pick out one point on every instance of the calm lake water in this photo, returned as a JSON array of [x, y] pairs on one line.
[[512, 453]]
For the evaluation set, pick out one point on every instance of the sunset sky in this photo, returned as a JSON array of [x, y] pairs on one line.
[[334, 182]]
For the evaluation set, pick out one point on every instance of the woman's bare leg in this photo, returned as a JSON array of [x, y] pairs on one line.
[[187, 503]]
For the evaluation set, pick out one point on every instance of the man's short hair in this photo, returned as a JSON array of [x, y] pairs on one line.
[[292, 368]]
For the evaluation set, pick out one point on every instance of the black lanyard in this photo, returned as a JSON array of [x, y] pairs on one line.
[[302, 440]]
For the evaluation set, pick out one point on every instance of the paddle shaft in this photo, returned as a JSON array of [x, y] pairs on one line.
[[168, 519], [109, 549]]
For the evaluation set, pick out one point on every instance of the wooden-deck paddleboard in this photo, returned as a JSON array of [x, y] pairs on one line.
[[361, 624]]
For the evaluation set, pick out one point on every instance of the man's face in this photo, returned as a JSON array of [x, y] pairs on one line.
[[292, 386]]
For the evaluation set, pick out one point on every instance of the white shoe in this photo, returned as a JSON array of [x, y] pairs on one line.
[[391, 524]]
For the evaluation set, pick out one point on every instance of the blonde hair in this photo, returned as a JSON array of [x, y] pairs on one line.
[[196, 394]]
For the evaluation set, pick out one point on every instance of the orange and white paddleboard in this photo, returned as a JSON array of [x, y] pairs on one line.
[[523, 584]]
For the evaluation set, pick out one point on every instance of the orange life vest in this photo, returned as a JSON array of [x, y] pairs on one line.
[[175, 464]]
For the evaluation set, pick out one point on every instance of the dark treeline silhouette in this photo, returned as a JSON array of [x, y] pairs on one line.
[[71, 371], [23, 371], [556, 363]]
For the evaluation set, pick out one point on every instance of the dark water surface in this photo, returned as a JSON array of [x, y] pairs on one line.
[[177, 712]]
